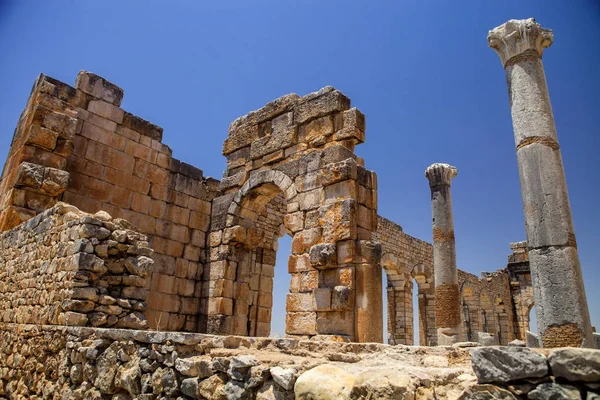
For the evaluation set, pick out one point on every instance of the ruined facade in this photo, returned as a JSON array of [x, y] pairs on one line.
[[291, 170]]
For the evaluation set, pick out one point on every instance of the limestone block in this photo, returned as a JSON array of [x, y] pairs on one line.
[[575, 364], [369, 252], [300, 302], [31, 175], [486, 339], [322, 299], [97, 86], [345, 190], [304, 281], [301, 323], [323, 255], [342, 298], [555, 391], [55, 181], [106, 110], [316, 129], [141, 126], [327, 102], [340, 171], [338, 220], [42, 137], [304, 240], [335, 323], [220, 305], [346, 251], [298, 263], [336, 153], [279, 139], [294, 222], [504, 364], [241, 138], [65, 126], [311, 200]]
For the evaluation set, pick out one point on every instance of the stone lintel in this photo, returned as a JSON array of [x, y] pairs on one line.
[[519, 38]]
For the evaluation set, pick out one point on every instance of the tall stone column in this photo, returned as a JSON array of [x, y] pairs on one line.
[[561, 306], [447, 302]]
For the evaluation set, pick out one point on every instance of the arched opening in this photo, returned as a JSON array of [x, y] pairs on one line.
[[470, 305], [393, 296], [532, 319], [281, 284], [417, 328], [261, 224]]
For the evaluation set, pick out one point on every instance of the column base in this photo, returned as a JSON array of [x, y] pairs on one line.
[[447, 336]]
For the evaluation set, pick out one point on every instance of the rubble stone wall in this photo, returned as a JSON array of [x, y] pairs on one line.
[[53, 362], [65, 267], [77, 145]]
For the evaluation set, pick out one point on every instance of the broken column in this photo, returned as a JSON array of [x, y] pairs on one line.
[[561, 306], [447, 301]]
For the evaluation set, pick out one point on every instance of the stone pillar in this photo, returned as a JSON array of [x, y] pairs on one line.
[[447, 299], [561, 306]]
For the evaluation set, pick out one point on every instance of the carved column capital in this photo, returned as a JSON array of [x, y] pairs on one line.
[[440, 174], [519, 38]]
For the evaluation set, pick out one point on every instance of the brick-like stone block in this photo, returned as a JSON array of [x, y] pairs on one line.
[[301, 323], [142, 126], [106, 110], [42, 137], [99, 87]]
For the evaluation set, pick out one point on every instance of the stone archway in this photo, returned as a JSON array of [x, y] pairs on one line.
[[400, 288], [299, 153]]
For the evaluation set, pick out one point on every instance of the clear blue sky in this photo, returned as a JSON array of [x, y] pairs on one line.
[[421, 71]]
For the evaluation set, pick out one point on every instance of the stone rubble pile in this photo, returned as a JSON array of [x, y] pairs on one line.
[[523, 373]]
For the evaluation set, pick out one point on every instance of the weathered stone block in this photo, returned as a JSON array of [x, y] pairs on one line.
[[338, 220], [300, 302], [298, 263], [312, 106], [305, 239], [301, 323], [30, 175], [97, 86], [339, 171], [42, 137], [323, 255]]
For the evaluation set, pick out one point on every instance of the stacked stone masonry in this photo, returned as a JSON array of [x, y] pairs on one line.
[[291, 169], [65, 267], [52, 362], [78, 146]]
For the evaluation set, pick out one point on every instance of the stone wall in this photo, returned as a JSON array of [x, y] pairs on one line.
[[497, 303], [292, 162], [487, 306], [77, 145], [65, 267], [519, 373], [52, 362], [405, 259], [521, 287]]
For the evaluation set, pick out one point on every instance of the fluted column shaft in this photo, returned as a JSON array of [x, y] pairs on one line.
[[447, 301], [559, 294]]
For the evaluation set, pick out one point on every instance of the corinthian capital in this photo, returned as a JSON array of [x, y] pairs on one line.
[[440, 174], [519, 37]]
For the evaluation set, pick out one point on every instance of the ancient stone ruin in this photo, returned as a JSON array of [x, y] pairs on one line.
[[126, 273]]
